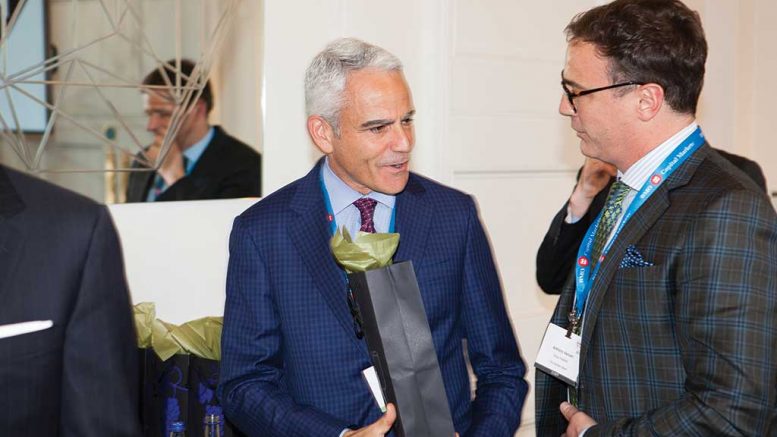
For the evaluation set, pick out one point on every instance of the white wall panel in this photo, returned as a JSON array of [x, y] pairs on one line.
[[511, 148], [494, 86], [516, 209], [719, 96], [510, 28], [512, 142], [291, 39], [237, 75], [765, 89]]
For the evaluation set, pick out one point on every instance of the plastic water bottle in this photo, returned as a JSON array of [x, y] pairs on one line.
[[176, 429], [212, 424]]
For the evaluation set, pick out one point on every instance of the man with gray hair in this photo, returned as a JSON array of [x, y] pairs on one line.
[[292, 360]]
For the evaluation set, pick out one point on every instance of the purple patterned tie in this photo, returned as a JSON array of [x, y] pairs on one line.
[[366, 208]]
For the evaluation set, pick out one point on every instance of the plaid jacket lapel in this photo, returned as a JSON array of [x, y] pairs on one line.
[[639, 224]]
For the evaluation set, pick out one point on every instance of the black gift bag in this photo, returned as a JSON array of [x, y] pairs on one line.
[[165, 393], [203, 380], [182, 388], [400, 344]]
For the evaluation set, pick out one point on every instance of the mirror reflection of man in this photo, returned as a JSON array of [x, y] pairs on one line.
[[203, 162]]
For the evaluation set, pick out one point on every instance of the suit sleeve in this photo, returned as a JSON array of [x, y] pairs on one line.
[[557, 253], [99, 376], [252, 389], [491, 345], [725, 307], [237, 175], [240, 182], [244, 182]]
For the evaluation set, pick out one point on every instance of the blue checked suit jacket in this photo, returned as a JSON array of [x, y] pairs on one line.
[[291, 362], [687, 345]]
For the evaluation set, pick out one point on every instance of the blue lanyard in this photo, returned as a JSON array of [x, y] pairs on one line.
[[330, 215], [584, 277]]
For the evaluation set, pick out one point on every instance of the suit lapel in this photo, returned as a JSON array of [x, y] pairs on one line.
[[139, 184], [200, 182], [210, 161], [11, 237], [634, 230], [413, 221], [310, 234]]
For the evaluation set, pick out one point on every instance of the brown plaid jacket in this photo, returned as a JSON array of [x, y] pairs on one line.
[[687, 345]]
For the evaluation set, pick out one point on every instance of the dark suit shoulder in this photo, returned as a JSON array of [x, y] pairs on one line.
[[718, 174], [42, 196], [226, 169], [747, 166], [232, 148], [53, 217], [274, 205], [436, 191], [714, 181]]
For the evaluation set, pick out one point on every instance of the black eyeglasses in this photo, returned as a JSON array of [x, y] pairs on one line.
[[571, 96]]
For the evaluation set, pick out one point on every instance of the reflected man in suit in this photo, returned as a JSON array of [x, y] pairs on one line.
[[292, 362], [675, 298], [60, 261], [204, 162]]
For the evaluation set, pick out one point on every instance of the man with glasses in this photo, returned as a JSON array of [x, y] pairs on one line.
[[670, 320], [557, 253]]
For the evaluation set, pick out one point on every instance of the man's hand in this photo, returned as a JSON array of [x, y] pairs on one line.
[[578, 421], [171, 169], [379, 428], [594, 177]]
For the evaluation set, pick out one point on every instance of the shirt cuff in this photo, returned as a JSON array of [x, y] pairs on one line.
[[570, 218], [349, 429]]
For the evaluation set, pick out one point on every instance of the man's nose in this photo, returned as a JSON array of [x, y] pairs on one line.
[[153, 122], [565, 106], [403, 138]]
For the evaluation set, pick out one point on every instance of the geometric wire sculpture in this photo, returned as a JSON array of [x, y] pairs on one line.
[[79, 67]]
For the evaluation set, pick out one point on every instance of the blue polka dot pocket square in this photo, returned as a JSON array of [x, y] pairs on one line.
[[633, 259]]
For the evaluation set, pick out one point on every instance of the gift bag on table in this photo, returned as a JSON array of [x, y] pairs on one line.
[[179, 373]]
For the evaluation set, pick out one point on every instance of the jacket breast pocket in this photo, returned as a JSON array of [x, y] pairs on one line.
[[643, 293], [28, 347]]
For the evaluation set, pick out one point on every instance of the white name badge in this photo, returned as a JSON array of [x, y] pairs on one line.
[[372, 380], [559, 355]]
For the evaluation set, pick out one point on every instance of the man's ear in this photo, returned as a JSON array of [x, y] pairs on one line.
[[201, 108], [651, 100], [321, 133]]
